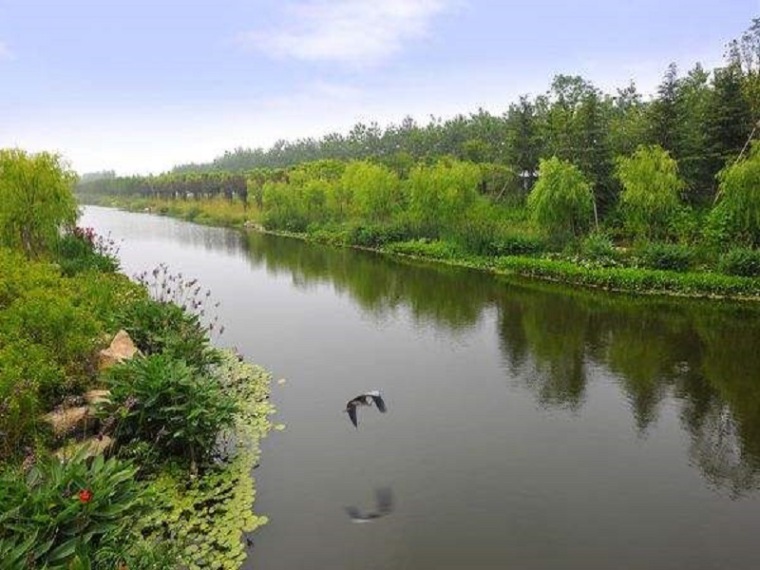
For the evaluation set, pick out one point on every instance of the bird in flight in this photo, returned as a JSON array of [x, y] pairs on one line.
[[384, 500], [366, 399]]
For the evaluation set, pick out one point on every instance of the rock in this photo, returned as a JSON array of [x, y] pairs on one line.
[[96, 445], [67, 420], [94, 397], [122, 348]]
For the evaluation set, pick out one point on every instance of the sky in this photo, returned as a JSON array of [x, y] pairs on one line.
[[139, 86]]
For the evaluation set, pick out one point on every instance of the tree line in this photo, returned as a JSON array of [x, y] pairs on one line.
[[703, 118]]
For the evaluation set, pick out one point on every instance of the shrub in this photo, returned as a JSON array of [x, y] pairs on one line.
[[377, 235], [175, 320], [65, 332], [598, 247], [81, 250], [163, 401], [68, 515], [666, 256], [741, 261], [433, 249], [517, 244]]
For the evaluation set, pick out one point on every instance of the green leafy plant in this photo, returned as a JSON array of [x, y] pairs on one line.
[[739, 200], [666, 256], [598, 247], [82, 250], [741, 261], [169, 404], [59, 515]]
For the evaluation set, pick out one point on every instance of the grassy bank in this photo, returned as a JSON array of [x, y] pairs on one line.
[[590, 264], [145, 463]]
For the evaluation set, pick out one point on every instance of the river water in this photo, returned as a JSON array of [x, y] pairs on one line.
[[528, 426]]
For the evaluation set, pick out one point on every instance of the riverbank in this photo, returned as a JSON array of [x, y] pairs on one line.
[[133, 449], [608, 272]]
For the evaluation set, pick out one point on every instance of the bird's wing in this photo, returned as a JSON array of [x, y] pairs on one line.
[[384, 498], [378, 399], [352, 414]]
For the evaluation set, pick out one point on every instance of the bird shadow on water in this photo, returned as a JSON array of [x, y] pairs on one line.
[[384, 505]]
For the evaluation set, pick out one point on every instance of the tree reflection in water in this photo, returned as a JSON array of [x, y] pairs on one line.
[[703, 355]]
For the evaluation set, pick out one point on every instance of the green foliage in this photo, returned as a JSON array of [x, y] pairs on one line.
[[208, 516], [70, 514], [164, 401], [598, 247], [49, 328], [170, 321], [441, 194], [666, 256], [377, 235], [423, 247], [374, 189], [741, 261], [651, 187], [517, 244], [739, 199], [35, 200], [561, 202], [81, 250], [632, 279]]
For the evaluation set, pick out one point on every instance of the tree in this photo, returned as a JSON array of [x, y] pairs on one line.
[[739, 199], [729, 120], [651, 187], [561, 201], [663, 111], [36, 199]]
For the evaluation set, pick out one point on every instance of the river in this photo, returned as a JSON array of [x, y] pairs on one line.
[[528, 426]]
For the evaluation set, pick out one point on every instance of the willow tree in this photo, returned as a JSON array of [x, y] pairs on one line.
[[739, 199], [651, 191], [561, 201], [36, 199]]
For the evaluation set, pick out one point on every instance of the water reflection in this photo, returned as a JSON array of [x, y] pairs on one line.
[[703, 357], [383, 507]]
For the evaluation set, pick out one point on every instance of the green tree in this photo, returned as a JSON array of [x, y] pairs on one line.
[[375, 189], [651, 187], [439, 195], [561, 201], [663, 112], [739, 199], [36, 199]]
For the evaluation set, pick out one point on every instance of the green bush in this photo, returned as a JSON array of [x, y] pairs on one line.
[[63, 331], [517, 244], [632, 279], [163, 401], [741, 261], [434, 249], [598, 247], [71, 514], [377, 235], [666, 256], [82, 250]]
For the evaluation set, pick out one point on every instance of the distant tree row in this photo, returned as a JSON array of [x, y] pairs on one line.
[[702, 118]]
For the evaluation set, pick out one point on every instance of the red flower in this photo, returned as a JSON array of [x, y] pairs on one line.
[[85, 496]]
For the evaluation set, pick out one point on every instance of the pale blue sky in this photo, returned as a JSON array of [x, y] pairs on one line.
[[139, 86]]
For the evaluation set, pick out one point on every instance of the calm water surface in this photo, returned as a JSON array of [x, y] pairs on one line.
[[528, 427]]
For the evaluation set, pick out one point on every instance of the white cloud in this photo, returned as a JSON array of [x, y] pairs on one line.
[[362, 32], [5, 52]]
